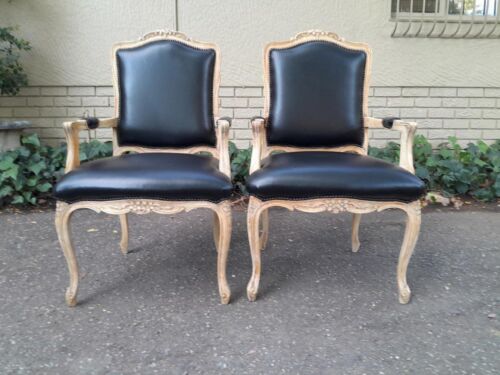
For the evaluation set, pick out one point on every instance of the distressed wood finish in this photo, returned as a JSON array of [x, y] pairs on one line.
[[222, 210], [258, 210]]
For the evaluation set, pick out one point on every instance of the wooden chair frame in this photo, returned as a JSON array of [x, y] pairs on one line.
[[222, 210], [258, 217]]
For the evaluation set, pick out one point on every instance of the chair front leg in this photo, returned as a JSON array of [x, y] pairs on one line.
[[356, 219], [216, 231], [224, 226], [412, 231], [253, 217], [63, 216], [264, 229], [124, 233]]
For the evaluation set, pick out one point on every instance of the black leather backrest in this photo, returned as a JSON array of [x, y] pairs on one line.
[[316, 93], [166, 95]]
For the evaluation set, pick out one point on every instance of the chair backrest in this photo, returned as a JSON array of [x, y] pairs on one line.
[[166, 91], [316, 91]]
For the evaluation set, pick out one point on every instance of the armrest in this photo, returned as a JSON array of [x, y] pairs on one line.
[[222, 126], [407, 130], [72, 130], [259, 142]]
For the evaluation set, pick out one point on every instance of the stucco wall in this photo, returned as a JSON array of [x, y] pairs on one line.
[[72, 38]]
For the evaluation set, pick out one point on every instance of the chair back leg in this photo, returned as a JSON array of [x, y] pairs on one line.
[[124, 233], [356, 219], [264, 229]]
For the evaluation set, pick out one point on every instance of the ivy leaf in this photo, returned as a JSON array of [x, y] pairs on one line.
[[37, 167], [31, 139], [6, 163], [5, 191], [18, 199], [45, 187]]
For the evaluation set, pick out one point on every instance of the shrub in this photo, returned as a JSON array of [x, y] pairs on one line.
[[28, 173], [12, 75]]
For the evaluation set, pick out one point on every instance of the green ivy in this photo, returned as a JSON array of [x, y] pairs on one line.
[[28, 173]]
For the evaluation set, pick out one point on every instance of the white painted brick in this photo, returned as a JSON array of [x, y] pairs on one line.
[[234, 102], [456, 123], [413, 113], [26, 112], [455, 102], [483, 124], [482, 102], [78, 112], [441, 113], [54, 91], [104, 91], [256, 102], [104, 112], [67, 101], [243, 134], [248, 91], [6, 112], [430, 123], [226, 112], [400, 102], [470, 92], [242, 144], [95, 101], [385, 134], [428, 102], [378, 142], [226, 91], [374, 101], [45, 122], [40, 101], [52, 132], [12, 101], [415, 91], [491, 134], [385, 112], [468, 113], [443, 91], [492, 92], [387, 91], [53, 111], [439, 134], [469, 134], [491, 113], [29, 91], [81, 91], [246, 112], [240, 123]]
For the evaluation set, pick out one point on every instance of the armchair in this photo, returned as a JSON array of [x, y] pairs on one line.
[[316, 94], [166, 101]]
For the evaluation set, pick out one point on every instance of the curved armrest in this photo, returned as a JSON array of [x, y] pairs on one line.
[[407, 130], [223, 124], [72, 130], [259, 142]]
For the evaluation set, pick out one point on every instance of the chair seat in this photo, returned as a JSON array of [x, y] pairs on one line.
[[309, 175], [166, 176]]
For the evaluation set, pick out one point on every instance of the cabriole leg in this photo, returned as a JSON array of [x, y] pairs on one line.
[[255, 247], [224, 229], [63, 215], [264, 229], [356, 218], [410, 239], [216, 231]]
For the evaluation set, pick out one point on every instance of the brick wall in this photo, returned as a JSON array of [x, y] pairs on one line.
[[467, 113]]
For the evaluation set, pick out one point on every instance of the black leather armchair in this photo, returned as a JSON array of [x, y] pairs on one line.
[[316, 113], [166, 101]]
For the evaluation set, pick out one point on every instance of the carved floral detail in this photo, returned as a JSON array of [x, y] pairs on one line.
[[165, 33], [318, 34]]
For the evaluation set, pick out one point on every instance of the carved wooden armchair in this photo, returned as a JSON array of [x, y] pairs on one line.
[[316, 90], [166, 101]]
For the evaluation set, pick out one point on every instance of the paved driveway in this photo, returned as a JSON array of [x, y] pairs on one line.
[[321, 309]]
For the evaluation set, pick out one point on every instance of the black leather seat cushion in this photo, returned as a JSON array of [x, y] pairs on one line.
[[308, 175], [167, 176], [166, 95], [316, 95]]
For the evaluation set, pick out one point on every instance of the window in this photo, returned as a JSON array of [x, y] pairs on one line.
[[446, 18]]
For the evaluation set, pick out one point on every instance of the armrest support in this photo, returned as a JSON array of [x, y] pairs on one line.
[[222, 125], [407, 130], [72, 130], [259, 142]]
